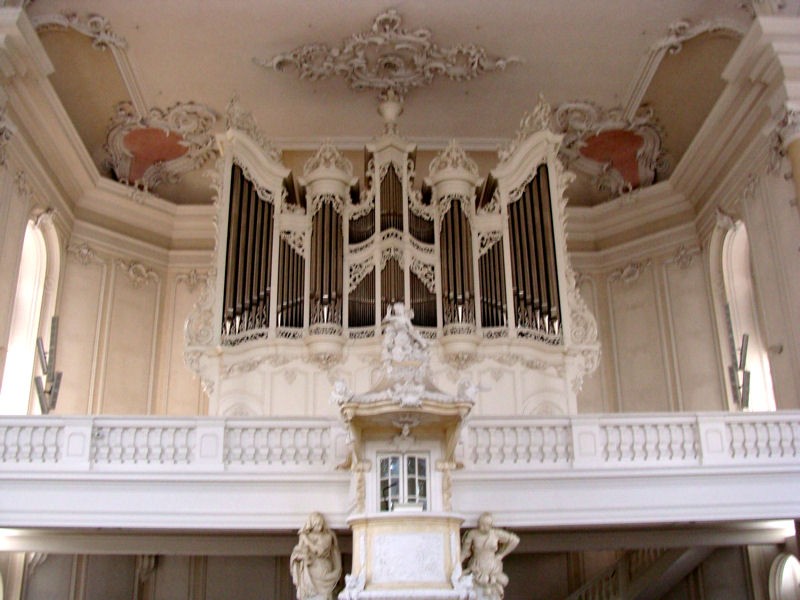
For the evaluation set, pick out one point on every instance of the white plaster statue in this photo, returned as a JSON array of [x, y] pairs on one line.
[[484, 549], [401, 341], [316, 563]]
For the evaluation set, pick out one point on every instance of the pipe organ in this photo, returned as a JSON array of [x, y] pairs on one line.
[[447, 250], [309, 262]]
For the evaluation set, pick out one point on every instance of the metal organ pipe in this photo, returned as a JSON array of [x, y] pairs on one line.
[[249, 260], [535, 279], [247, 264]]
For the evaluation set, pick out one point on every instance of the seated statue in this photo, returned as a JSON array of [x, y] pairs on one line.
[[315, 563], [484, 548]]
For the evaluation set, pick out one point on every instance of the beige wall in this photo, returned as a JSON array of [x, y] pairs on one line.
[[121, 340], [657, 333]]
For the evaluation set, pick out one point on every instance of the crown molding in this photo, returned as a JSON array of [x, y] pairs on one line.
[[662, 242], [626, 218]]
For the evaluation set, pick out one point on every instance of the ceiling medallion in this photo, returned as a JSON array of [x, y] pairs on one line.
[[619, 154], [161, 147], [388, 59]]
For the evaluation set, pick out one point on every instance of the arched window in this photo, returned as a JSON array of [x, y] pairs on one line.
[[743, 323], [15, 394]]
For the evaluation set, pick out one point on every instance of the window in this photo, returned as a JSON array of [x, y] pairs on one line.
[[18, 373], [403, 481]]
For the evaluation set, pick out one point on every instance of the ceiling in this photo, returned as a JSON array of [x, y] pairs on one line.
[[630, 82]]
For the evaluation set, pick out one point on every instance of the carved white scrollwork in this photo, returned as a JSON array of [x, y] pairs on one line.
[[531, 123], [296, 240], [487, 239], [262, 192], [138, 273], [357, 273], [327, 156], [94, 26], [453, 157], [7, 131], [579, 121], [630, 272], [682, 31], [193, 122], [237, 117], [317, 201], [425, 273], [198, 329], [192, 279], [392, 253], [388, 59], [83, 253]]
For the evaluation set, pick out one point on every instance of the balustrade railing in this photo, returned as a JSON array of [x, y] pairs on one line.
[[519, 444]]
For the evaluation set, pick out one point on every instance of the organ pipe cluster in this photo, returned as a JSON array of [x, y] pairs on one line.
[[465, 259]]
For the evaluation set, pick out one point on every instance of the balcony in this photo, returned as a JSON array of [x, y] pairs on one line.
[[236, 474]]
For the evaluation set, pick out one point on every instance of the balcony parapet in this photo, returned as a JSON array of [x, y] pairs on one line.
[[222, 473]]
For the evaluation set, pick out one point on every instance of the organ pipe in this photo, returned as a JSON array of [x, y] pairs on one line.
[[326, 264], [534, 276], [397, 265], [391, 200], [456, 262], [248, 261], [290, 287]]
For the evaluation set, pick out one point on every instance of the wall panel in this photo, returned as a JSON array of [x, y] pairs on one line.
[[80, 321], [691, 326], [133, 315], [181, 393], [592, 397], [638, 346]]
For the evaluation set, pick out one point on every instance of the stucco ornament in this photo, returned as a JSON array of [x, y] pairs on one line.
[[388, 58], [316, 563], [484, 549]]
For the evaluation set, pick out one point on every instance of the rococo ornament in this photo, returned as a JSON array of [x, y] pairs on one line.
[[190, 121], [388, 59]]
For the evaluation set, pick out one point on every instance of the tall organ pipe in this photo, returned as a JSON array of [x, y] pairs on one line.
[[456, 261], [326, 265], [534, 275], [248, 260]]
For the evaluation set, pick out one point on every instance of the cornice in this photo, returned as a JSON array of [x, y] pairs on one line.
[[663, 242], [159, 221], [617, 221]]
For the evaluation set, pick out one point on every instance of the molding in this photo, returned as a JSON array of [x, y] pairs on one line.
[[678, 32], [103, 37], [663, 242], [600, 224], [406, 59], [93, 25]]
